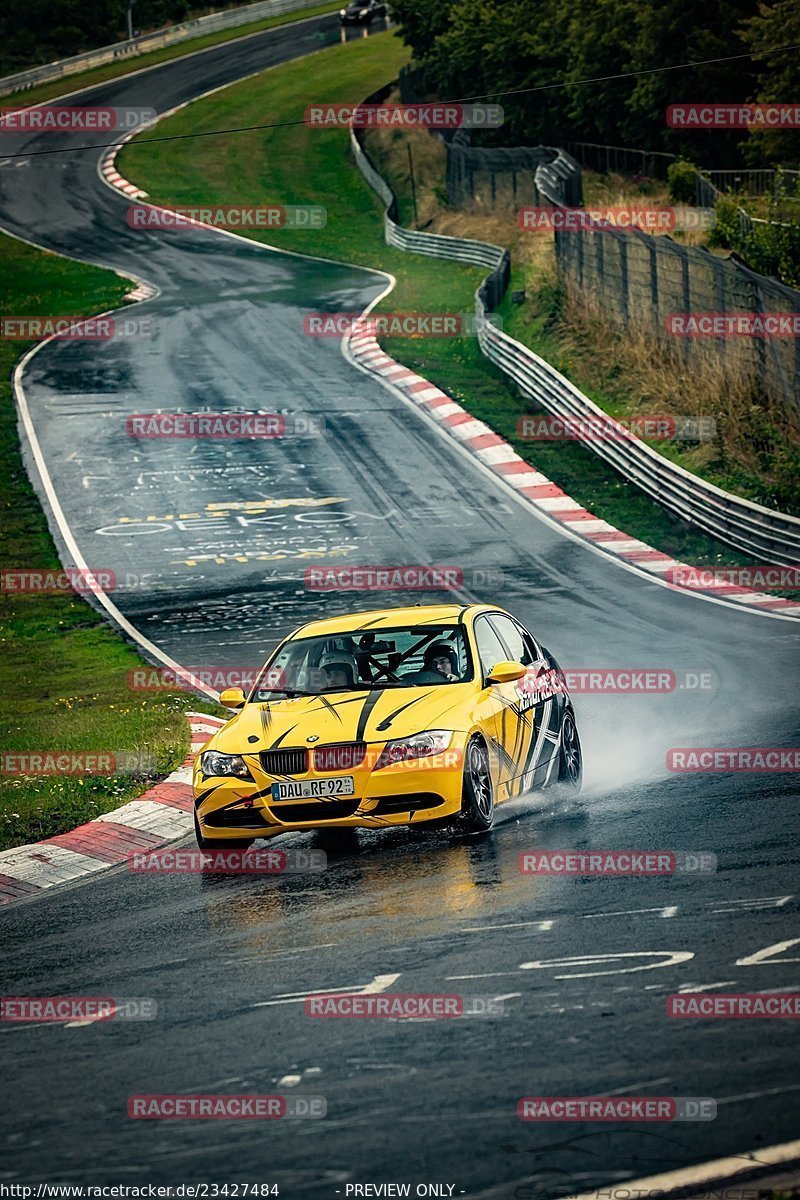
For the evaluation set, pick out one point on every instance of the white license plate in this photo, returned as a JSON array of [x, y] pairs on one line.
[[314, 789]]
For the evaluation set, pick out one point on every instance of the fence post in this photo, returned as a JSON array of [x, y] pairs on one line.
[[623, 274], [686, 295], [722, 306], [599, 259], [653, 248], [761, 343]]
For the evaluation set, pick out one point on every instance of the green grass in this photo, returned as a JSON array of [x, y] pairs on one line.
[[113, 70], [295, 165], [300, 165], [63, 674]]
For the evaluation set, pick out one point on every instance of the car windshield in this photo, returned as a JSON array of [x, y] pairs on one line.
[[365, 660]]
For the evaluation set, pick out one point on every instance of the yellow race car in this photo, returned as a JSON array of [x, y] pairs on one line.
[[392, 717]]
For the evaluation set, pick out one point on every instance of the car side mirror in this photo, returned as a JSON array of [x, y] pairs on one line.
[[506, 672], [232, 698]]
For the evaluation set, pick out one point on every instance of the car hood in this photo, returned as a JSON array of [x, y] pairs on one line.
[[376, 716]]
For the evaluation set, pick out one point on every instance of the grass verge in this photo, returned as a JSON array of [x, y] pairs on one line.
[[294, 165], [113, 70], [63, 676]]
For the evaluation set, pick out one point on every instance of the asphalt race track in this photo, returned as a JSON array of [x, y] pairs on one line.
[[212, 540]]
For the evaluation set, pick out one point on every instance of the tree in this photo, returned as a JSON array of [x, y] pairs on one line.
[[492, 49], [681, 31], [778, 77], [421, 22], [600, 37]]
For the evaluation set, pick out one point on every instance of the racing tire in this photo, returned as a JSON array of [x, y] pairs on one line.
[[477, 796], [570, 755], [205, 843]]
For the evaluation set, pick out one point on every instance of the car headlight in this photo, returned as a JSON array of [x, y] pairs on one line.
[[342, 12], [420, 745], [214, 763]]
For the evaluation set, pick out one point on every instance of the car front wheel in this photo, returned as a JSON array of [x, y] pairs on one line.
[[477, 797]]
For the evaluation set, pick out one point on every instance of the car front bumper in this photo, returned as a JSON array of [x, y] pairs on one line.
[[402, 794]]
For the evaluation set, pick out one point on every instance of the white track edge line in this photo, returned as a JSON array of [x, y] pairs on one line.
[[716, 1170]]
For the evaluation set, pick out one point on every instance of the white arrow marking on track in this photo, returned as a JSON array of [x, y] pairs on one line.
[[668, 911], [747, 905], [376, 985], [541, 925], [769, 954], [705, 987]]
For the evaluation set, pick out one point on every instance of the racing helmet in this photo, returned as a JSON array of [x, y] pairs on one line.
[[343, 661]]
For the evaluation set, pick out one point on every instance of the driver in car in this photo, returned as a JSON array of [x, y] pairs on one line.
[[340, 671], [439, 660]]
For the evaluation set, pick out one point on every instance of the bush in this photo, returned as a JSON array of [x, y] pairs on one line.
[[768, 247], [682, 177]]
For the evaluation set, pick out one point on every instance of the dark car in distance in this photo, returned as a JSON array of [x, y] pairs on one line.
[[362, 12]]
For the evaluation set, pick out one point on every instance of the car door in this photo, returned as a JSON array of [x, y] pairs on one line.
[[539, 706], [498, 711]]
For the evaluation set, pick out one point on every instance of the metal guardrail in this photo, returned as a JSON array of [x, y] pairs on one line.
[[762, 532], [772, 536], [437, 245], [152, 41]]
